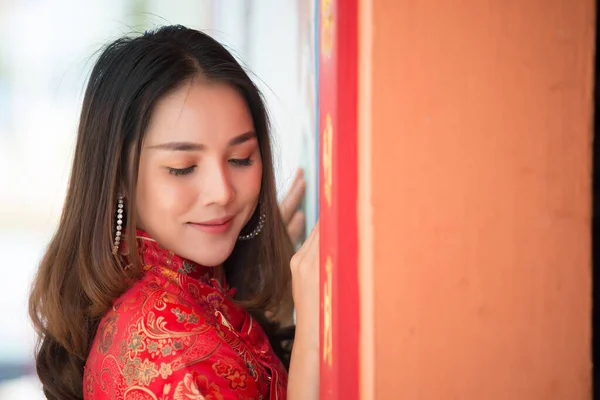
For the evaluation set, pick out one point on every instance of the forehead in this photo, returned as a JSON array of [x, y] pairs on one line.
[[199, 111]]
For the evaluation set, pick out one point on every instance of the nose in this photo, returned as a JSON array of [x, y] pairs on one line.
[[216, 187]]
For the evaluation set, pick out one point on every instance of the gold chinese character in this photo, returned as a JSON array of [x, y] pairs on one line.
[[327, 27], [327, 315], [327, 158]]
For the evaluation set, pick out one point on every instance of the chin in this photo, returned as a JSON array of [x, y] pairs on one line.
[[211, 254]]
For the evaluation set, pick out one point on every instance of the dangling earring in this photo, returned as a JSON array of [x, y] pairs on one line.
[[118, 225], [256, 231]]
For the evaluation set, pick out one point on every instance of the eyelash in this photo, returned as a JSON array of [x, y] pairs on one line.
[[182, 171], [246, 162]]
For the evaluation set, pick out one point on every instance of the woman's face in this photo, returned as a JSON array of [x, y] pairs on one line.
[[200, 172]]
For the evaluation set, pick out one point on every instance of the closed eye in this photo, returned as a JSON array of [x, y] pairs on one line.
[[245, 162], [182, 171]]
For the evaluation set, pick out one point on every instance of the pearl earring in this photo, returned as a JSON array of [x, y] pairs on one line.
[[256, 231], [119, 224]]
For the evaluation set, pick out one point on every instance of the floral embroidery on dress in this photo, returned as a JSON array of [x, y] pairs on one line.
[[136, 342], [89, 383], [165, 370], [187, 267], [131, 372], [177, 334], [197, 387], [215, 302], [107, 332], [237, 379], [222, 368]]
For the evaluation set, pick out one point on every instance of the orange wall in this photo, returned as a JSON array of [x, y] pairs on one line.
[[475, 124]]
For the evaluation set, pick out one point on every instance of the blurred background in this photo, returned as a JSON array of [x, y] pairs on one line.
[[47, 49]]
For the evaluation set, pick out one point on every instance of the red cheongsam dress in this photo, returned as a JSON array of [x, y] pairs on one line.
[[177, 335]]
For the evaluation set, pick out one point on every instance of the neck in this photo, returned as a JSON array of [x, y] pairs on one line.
[[220, 274], [151, 253]]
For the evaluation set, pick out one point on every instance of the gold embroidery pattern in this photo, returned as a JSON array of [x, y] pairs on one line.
[[174, 336]]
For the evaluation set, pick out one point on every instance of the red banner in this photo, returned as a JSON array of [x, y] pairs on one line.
[[338, 81]]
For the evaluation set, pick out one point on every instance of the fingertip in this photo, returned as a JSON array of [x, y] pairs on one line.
[[302, 182]]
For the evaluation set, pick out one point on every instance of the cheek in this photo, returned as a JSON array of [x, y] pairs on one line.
[[160, 195], [252, 183]]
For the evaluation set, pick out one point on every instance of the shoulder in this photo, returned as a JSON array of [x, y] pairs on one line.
[[153, 334], [150, 312]]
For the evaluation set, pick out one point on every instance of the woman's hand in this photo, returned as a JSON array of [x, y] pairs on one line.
[[305, 288], [294, 221], [293, 218], [303, 381]]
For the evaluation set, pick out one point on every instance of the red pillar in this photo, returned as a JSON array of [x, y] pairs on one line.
[[338, 199]]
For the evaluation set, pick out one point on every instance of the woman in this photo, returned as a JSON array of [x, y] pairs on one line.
[[171, 249]]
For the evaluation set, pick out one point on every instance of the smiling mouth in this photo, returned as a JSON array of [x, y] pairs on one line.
[[215, 226]]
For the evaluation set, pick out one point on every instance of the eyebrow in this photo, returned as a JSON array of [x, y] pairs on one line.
[[191, 146]]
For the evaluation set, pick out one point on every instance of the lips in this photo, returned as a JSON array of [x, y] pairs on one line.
[[215, 226], [217, 221]]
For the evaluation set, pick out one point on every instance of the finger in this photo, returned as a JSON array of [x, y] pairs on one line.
[[296, 193], [300, 254], [285, 201], [296, 227], [291, 202], [293, 199], [312, 254], [310, 240]]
